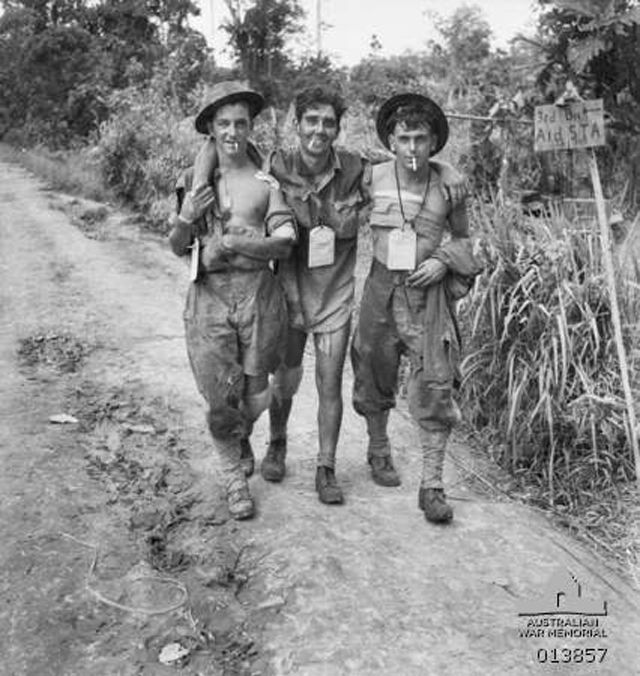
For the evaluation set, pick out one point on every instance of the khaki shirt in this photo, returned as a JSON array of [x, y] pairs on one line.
[[321, 299]]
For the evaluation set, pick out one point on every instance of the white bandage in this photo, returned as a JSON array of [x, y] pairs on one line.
[[285, 231]]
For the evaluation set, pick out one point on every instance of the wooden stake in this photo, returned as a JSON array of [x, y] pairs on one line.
[[615, 310]]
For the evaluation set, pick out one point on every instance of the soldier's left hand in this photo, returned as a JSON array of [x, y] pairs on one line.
[[455, 186], [428, 272], [455, 193], [231, 241]]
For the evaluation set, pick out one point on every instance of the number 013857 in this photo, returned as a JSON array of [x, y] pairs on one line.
[[571, 655]]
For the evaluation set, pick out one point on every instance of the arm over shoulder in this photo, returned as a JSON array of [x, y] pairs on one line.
[[280, 221], [455, 185]]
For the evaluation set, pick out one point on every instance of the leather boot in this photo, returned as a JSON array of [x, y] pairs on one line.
[[382, 470], [247, 459], [273, 467], [433, 503], [328, 490]]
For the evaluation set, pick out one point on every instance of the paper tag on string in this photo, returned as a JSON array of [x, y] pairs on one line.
[[402, 250], [322, 244]]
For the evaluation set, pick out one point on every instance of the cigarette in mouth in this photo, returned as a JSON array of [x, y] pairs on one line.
[[414, 164], [234, 145]]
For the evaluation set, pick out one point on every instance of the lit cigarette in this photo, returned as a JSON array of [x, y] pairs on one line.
[[414, 164]]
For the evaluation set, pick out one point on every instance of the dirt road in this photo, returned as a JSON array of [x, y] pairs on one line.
[[117, 557]]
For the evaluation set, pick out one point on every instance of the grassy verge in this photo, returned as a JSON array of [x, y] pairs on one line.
[[74, 172], [78, 173], [542, 380]]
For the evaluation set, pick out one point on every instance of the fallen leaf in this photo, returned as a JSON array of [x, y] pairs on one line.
[[141, 429], [172, 652], [113, 441], [63, 419], [273, 602]]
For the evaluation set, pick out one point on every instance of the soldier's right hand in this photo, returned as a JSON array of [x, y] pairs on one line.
[[197, 203]]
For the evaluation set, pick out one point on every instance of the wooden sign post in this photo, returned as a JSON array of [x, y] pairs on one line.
[[580, 124]]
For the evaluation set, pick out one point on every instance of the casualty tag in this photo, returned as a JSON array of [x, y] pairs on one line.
[[402, 249], [322, 244], [195, 259]]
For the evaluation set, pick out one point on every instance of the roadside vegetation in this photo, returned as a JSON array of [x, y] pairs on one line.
[[98, 99], [542, 384]]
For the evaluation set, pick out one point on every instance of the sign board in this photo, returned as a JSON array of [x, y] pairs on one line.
[[579, 124]]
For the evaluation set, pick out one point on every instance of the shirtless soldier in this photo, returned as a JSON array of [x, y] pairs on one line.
[[235, 315]]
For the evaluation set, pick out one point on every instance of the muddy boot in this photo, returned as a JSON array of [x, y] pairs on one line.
[[273, 467], [379, 452], [239, 500], [247, 459], [434, 505], [326, 486], [382, 470]]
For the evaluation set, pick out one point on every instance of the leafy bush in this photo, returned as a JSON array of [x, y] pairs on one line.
[[145, 144]]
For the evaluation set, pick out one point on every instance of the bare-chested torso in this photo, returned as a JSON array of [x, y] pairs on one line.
[[243, 199], [246, 198]]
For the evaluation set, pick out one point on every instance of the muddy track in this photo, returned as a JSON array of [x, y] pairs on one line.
[[117, 552]]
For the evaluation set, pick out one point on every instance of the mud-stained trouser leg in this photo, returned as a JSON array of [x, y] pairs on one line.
[[256, 399], [379, 444], [286, 382], [436, 414], [375, 357], [212, 347]]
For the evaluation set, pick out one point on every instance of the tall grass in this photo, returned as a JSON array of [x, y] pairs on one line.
[[542, 373]]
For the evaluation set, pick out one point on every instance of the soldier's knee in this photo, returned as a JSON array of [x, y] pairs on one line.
[[286, 382], [223, 422], [433, 409]]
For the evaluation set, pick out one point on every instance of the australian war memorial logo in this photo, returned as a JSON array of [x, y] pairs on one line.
[[562, 611]]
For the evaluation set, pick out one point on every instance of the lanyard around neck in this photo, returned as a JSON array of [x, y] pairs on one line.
[[405, 220]]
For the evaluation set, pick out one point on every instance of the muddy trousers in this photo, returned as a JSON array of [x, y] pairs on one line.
[[235, 323], [390, 325]]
